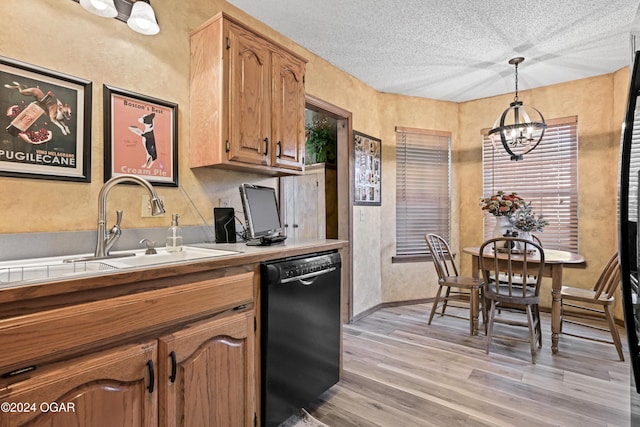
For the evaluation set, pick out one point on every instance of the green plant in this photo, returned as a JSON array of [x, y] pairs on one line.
[[320, 146], [524, 219]]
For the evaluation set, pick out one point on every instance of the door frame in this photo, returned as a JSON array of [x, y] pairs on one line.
[[344, 145]]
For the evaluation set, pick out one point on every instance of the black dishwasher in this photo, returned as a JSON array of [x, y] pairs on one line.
[[300, 341]]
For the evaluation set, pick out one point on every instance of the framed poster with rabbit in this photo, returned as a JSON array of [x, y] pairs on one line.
[[47, 123], [140, 137]]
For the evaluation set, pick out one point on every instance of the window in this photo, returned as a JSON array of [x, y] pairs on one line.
[[547, 177], [423, 163]]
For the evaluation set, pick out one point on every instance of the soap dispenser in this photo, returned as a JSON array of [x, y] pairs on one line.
[[174, 235]]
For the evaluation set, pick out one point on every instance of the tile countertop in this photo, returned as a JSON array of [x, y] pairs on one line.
[[245, 255]]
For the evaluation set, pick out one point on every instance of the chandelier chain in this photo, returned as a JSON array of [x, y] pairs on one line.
[[516, 97]]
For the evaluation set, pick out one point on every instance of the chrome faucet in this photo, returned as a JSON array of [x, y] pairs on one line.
[[106, 239]]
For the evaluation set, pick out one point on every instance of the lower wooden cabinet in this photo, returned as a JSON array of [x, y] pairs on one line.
[[106, 389], [202, 375], [208, 374], [199, 373]]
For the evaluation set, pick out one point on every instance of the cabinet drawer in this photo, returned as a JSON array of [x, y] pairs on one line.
[[63, 331]]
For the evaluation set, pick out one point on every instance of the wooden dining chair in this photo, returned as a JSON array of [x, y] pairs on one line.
[[518, 287], [597, 300], [466, 290]]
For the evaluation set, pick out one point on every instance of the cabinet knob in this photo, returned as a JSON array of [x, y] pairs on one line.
[[279, 149], [266, 146]]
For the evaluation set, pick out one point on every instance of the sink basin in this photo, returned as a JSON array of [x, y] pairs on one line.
[[188, 253], [54, 267]]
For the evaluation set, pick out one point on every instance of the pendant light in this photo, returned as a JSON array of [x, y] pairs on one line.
[[519, 130], [104, 8], [143, 19]]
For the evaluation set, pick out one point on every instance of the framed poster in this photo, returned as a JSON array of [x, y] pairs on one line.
[[367, 164], [140, 137], [46, 123]]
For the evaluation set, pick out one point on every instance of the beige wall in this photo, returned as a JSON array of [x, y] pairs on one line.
[[60, 35], [599, 125]]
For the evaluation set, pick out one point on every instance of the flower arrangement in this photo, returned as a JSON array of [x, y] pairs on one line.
[[525, 220], [502, 204]]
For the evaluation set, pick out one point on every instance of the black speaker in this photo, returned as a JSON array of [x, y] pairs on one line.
[[225, 225]]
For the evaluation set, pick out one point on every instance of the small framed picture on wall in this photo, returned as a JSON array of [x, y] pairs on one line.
[[140, 136], [367, 169]]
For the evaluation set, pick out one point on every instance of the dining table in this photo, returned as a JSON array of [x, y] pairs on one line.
[[554, 262]]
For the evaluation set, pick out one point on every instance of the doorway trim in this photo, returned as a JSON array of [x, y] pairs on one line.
[[345, 210]]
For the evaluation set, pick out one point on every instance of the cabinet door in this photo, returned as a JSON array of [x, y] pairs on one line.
[[303, 202], [249, 126], [105, 389], [287, 111], [208, 376]]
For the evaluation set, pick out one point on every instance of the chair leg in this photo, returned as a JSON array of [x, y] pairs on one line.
[[614, 332], [473, 317], [538, 325], [483, 307], [532, 338], [492, 314], [435, 305], [446, 299]]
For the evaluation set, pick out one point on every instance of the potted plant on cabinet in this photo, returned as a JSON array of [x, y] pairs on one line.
[[320, 146]]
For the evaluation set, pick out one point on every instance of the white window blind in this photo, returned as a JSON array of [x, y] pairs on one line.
[[422, 188], [547, 177]]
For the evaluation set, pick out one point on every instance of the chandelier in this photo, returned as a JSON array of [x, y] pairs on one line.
[[518, 129]]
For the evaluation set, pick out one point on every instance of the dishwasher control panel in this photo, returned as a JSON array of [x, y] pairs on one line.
[[308, 264]]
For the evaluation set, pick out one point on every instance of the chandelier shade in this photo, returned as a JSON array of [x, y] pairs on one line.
[[518, 129]]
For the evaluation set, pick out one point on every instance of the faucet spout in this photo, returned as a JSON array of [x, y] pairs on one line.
[[106, 239]]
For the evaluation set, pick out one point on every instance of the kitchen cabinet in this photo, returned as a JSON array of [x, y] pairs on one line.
[[177, 351], [247, 100], [208, 369], [110, 388], [304, 205]]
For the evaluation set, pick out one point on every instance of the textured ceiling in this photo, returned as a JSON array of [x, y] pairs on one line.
[[457, 50]]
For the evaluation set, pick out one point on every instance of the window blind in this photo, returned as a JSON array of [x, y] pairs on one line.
[[547, 177], [423, 160]]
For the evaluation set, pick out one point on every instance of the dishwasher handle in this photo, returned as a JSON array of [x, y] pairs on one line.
[[312, 275]]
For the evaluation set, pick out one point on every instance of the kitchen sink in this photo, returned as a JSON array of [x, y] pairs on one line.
[[55, 267], [188, 253]]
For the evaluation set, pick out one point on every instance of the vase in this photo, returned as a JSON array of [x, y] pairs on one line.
[[502, 226], [526, 235]]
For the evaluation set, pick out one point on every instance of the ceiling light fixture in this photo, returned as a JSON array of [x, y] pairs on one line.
[[104, 8], [143, 19], [515, 129], [138, 14]]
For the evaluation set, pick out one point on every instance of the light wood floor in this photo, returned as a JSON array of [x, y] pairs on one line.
[[398, 371]]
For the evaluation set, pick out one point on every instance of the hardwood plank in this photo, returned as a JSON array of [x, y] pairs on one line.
[[399, 371]]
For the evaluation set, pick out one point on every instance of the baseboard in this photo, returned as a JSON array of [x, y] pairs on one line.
[[377, 307]]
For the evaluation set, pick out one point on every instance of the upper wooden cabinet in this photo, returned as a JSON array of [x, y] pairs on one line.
[[247, 100]]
